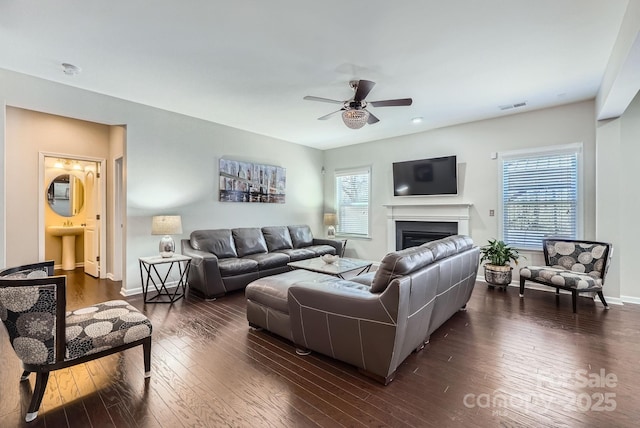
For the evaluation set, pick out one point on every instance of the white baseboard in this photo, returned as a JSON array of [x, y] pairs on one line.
[[112, 277], [78, 265], [630, 299], [131, 292], [533, 286], [139, 290]]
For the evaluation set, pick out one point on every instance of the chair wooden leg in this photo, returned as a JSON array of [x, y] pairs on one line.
[[557, 290], [38, 393], [25, 375], [522, 280], [574, 298], [146, 347], [604, 302]]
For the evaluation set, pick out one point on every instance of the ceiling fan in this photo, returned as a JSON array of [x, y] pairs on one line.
[[354, 110]]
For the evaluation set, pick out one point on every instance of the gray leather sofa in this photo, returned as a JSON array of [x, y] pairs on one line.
[[224, 260], [375, 320]]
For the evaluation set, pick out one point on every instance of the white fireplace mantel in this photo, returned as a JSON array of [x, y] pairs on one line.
[[445, 212]]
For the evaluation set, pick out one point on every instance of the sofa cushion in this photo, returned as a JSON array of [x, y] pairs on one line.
[[399, 263], [269, 260], [561, 277], [218, 241], [301, 236], [296, 254], [249, 240], [277, 238], [271, 291], [320, 250], [103, 326], [235, 266]]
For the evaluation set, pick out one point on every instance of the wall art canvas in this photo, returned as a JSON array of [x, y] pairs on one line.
[[251, 182]]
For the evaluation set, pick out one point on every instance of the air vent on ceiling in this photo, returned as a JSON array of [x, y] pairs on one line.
[[510, 106]]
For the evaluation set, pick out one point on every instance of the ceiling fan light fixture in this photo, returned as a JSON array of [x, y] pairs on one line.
[[355, 119]]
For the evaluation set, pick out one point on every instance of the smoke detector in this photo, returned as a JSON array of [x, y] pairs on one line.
[[70, 69]]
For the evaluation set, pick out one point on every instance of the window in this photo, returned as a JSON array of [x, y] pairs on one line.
[[540, 195], [353, 189]]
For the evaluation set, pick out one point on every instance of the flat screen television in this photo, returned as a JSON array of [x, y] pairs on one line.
[[435, 176]]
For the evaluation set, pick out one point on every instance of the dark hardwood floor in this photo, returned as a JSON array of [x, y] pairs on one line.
[[504, 362]]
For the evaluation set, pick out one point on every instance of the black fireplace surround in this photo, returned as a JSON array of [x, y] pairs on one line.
[[415, 233]]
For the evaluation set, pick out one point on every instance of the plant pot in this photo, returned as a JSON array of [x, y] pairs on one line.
[[497, 275]]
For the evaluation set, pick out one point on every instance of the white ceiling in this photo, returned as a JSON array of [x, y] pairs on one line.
[[248, 63]]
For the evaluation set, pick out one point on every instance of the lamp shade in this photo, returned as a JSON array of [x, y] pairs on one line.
[[166, 225], [330, 219]]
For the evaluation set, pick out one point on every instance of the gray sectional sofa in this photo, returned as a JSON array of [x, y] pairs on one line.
[[224, 260], [373, 321]]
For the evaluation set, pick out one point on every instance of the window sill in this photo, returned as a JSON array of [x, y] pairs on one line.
[[354, 237]]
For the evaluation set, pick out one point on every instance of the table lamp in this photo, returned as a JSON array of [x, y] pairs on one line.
[[330, 219], [166, 225]]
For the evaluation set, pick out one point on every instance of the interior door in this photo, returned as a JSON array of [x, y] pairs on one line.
[[92, 228]]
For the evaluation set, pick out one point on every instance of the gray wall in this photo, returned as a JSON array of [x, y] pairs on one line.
[[619, 198], [473, 144], [171, 167]]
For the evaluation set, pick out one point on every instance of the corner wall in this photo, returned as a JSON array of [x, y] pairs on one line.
[[171, 167], [28, 133], [478, 184], [619, 198]]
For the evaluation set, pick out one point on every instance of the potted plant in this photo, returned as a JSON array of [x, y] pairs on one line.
[[497, 270]]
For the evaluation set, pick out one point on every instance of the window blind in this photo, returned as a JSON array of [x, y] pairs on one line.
[[540, 198], [352, 201]]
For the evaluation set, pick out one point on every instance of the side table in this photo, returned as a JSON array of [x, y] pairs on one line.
[[148, 268], [344, 247]]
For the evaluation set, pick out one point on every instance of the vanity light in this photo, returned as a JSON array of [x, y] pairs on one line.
[[58, 164], [77, 166]]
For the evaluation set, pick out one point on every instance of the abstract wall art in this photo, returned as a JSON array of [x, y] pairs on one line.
[[251, 182]]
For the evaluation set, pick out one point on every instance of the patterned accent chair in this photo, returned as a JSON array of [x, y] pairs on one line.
[[576, 266], [45, 337]]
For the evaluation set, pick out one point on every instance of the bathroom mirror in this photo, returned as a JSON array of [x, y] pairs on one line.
[[66, 195]]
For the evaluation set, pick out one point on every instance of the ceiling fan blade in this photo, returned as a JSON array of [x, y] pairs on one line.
[[324, 100], [392, 103], [372, 119], [327, 116], [364, 87]]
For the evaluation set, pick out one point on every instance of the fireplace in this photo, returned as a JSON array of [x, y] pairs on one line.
[[440, 220], [415, 233]]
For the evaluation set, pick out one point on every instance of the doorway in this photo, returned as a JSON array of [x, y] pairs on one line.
[[118, 220], [71, 213]]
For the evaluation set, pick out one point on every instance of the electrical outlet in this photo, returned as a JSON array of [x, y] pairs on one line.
[[492, 213]]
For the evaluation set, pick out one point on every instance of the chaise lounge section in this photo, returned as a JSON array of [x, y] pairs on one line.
[[373, 321], [225, 260]]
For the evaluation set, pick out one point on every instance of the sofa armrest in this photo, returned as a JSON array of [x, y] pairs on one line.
[[333, 242], [345, 321], [204, 273]]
